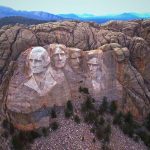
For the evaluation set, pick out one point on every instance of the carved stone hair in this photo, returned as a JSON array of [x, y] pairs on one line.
[[98, 54], [44, 55], [52, 48]]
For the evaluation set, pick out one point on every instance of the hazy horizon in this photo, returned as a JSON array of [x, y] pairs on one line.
[[95, 7]]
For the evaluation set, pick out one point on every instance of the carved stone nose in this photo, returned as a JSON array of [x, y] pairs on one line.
[[78, 60], [59, 57]]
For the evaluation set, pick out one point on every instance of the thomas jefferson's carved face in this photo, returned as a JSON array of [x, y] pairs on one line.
[[93, 66], [75, 59], [59, 58], [38, 60]]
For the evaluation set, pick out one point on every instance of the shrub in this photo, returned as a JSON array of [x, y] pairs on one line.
[[113, 107], [101, 121], [105, 146], [94, 140], [5, 124], [68, 109], [77, 119], [107, 129], [45, 131], [147, 122], [83, 90], [28, 137], [8, 126], [68, 113], [87, 105], [127, 129], [104, 106], [53, 114], [54, 126], [17, 143], [128, 118], [118, 118], [90, 117], [69, 106], [99, 133], [145, 137], [22, 139]]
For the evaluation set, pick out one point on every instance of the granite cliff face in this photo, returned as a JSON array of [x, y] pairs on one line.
[[125, 47]]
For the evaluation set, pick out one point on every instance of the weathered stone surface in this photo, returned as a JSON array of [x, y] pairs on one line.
[[88, 36]]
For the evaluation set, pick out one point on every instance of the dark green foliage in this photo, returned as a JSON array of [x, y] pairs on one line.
[[145, 137], [94, 140], [128, 118], [126, 123], [90, 117], [87, 105], [8, 126], [127, 129], [45, 131], [69, 109], [5, 124], [17, 143], [104, 106], [54, 126], [135, 138], [99, 133], [69, 106], [77, 119], [118, 118], [147, 122], [68, 113], [107, 129], [105, 146], [112, 107], [107, 133], [53, 114], [21, 20], [5, 134], [92, 130], [28, 136], [101, 121], [103, 132], [83, 90], [22, 139]]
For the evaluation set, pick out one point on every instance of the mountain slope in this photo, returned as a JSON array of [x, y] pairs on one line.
[[21, 20], [6, 11]]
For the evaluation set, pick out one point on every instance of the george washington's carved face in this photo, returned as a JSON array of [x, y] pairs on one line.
[[59, 58], [38, 60]]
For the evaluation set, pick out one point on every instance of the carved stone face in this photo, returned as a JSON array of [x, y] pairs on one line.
[[38, 60], [93, 66], [59, 58], [75, 60]]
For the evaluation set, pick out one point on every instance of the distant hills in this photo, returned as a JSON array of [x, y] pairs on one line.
[[33, 17], [39, 15], [18, 19]]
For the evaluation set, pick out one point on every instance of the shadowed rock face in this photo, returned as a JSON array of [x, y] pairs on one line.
[[125, 56]]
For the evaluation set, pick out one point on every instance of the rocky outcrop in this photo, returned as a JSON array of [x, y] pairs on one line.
[[131, 57]]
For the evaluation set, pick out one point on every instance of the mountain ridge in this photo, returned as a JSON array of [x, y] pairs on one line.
[[41, 15]]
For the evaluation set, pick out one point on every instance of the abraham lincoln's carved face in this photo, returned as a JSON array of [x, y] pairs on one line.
[[93, 66], [38, 60]]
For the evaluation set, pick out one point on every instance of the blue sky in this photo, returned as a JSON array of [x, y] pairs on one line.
[[97, 7]]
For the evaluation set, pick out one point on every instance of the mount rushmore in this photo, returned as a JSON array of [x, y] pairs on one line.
[[45, 65]]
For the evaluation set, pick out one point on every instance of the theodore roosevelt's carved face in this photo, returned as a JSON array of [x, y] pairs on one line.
[[38, 60], [59, 58], [75, 58]]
